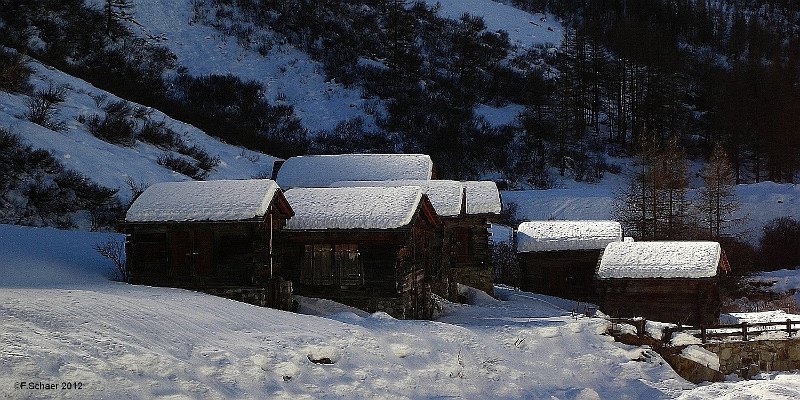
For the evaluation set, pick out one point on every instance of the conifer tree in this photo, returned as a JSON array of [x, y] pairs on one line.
[[653, 205], [117, 11], [717, 200]]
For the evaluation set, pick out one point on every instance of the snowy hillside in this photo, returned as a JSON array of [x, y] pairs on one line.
[[286, 73], [289, 75], [760, 203], [525, 30], [62, 320], [108, 164]]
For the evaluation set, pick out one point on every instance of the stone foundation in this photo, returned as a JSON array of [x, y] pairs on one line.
[[278, 295], [749, 358]]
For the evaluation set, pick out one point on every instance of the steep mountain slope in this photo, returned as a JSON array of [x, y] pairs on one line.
[[525, 30], [287, 74], [109, 164]]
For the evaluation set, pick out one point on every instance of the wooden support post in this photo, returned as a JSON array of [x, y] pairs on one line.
[[641, 330], [703, 333], [744, 331], [666, 336], [788, 327]]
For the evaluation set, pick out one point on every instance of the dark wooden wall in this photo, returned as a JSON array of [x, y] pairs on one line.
[[686, 301], [202, 254], [566, 274], [466, 256], [397, 267]]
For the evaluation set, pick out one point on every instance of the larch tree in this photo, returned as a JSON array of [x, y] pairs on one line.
[[717, 199], [653, 205]]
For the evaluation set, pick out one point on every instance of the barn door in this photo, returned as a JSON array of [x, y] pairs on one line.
[[204, 250], [462, 245], [180, 253]]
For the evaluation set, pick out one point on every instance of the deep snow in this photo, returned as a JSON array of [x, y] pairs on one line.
[[62, 320]]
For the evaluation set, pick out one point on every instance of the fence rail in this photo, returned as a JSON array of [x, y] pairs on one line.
[[744, 330]]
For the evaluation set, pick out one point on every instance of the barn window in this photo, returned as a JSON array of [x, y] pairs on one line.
[[350, 266], [325, 264], [317, 265]]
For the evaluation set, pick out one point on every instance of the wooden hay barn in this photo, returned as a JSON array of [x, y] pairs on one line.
[[663, 281], [323, 170], [559, 258], [465, 209], [218, 237], [372, 248]]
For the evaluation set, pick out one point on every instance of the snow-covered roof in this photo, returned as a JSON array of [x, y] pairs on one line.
[[353, 208], [482, 197], [567, 235], [445, 196], [660, 260], [223, 200], [321, 171]]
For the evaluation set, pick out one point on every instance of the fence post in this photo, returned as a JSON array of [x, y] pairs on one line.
[[702, 333], [640, 328], [666, 335], [744, 331], [788, 327]]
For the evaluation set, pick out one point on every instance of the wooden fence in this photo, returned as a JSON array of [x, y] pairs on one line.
[[746, 331]]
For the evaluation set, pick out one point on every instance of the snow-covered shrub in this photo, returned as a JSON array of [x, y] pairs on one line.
[[114, 250], [181, 165], [350, 137], [14, 72], [113, 129], [215, 103], [205, 161], [157, 134], [43, 110], [36, 189]]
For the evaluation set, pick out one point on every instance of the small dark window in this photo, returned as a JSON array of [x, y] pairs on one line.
[[325, 264], [350, 269], [317, 266]]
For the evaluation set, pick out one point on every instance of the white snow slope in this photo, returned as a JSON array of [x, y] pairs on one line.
[[63, 321], [525, 30], [285, 71], [108, 164]]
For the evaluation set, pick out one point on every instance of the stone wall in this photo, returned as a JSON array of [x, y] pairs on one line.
[[749, 358], [277, 294], [255, 296]]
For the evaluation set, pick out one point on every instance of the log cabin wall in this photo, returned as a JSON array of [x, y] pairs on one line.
[[385, 270], [466, 256], [566, 274], [685, 301], [215, 257]]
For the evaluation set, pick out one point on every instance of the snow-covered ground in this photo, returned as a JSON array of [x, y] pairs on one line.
[[525, 30], [64, 321], [783, 281], [105, 163]]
